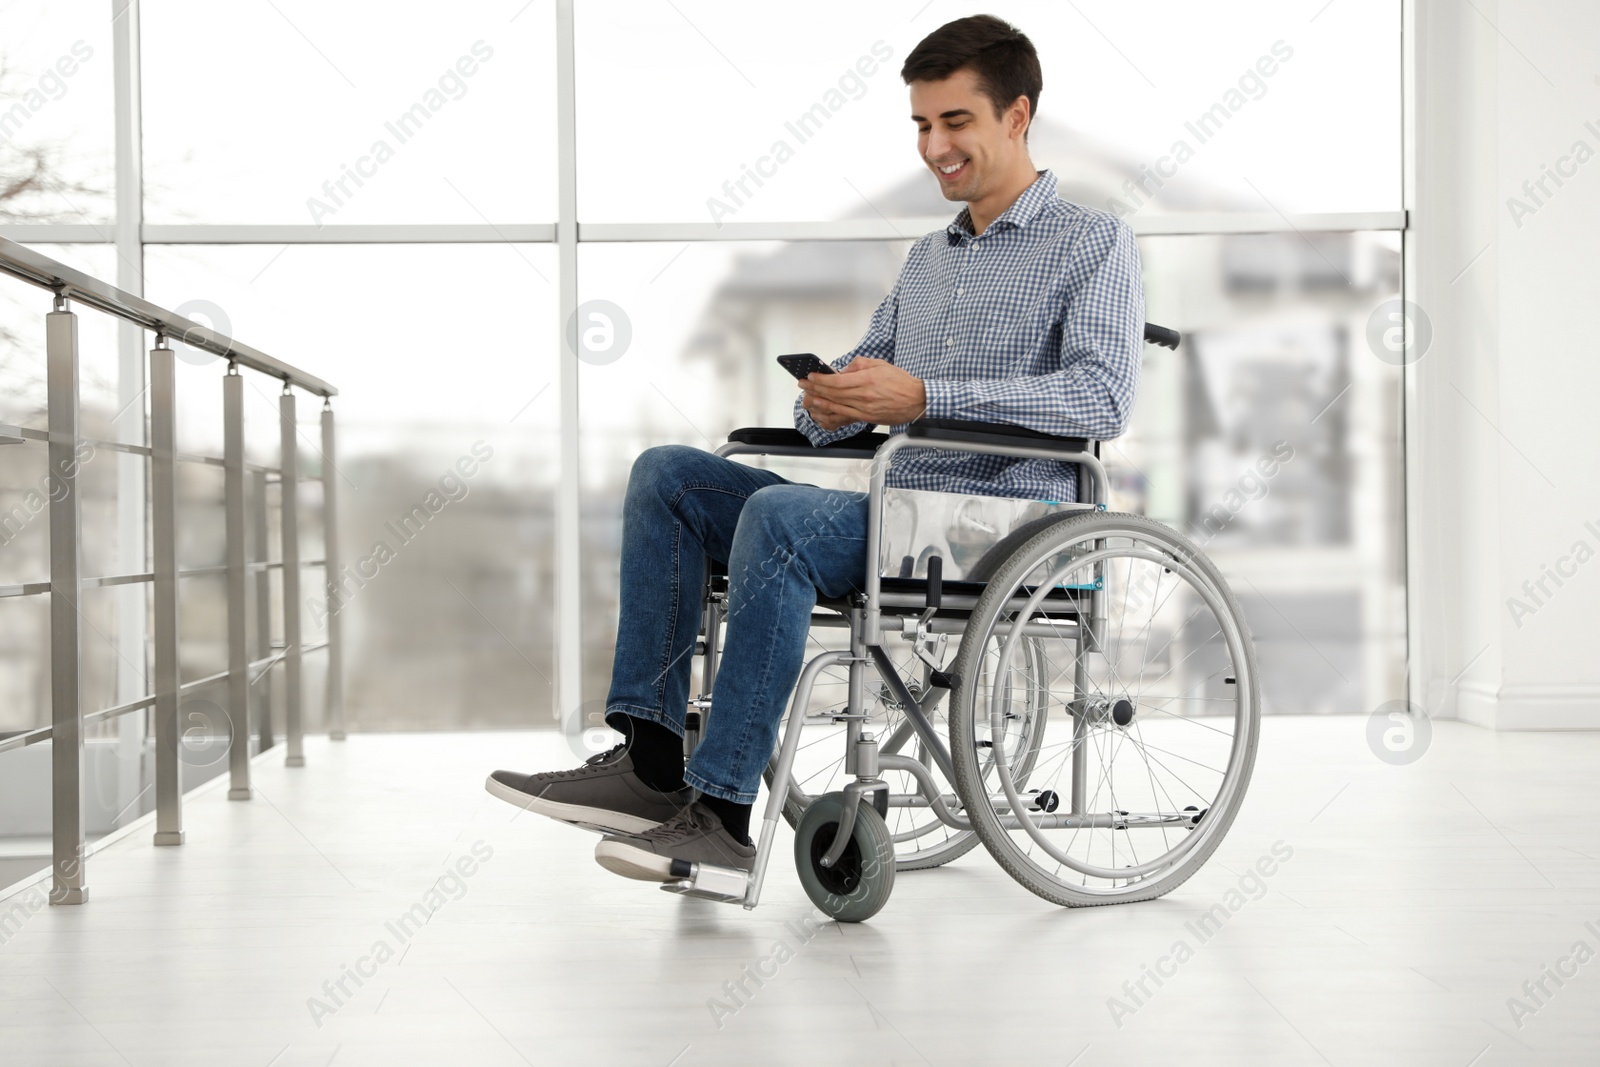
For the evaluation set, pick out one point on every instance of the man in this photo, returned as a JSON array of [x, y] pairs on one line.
[[1025, 310]]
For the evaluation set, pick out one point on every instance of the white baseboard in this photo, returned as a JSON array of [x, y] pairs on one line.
[[1477, 703], [1528, 707]]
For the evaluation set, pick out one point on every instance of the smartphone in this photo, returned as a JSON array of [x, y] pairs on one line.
[[801, 364]]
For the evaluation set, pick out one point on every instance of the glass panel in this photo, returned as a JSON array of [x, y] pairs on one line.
[[57, 142], [706, 320], [1274, 106], [1272, 437], [112, 774], [447, 458], [318, 113]]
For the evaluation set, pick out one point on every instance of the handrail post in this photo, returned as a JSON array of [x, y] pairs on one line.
[[66, 712], [289, 483], [263, 605], [164, 553], [238, 656], [333, 703]]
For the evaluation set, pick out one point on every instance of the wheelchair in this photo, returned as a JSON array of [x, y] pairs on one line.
[[1093, 724]]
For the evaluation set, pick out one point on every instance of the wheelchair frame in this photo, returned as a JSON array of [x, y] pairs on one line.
[[866, 616], [865, 621]]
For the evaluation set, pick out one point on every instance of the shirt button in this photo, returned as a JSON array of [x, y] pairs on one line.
[[959, 291], [949, 340]]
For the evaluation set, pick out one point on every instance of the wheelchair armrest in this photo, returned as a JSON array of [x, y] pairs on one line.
[[995, 433], [858, 446]]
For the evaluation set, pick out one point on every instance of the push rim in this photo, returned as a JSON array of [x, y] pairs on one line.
[[1033, 838]]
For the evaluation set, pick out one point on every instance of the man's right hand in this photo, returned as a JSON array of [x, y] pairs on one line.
[[867, 390]]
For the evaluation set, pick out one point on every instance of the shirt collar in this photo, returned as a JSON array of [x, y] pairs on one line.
[[1019, 214]]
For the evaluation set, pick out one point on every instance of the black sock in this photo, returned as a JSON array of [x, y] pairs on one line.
[[657, 753], [735, 816]]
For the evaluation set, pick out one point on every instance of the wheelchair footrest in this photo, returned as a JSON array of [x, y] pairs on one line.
[[708, 881]]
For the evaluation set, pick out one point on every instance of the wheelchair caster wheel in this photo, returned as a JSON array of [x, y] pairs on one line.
[[858, 886]]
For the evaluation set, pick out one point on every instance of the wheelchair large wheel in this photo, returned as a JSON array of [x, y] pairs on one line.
[[921, 839], [1153, 707]]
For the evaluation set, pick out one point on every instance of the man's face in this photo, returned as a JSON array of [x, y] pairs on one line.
[[956, 124]]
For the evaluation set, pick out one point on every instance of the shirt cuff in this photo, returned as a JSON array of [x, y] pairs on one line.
[[816, 434], [947, 398]]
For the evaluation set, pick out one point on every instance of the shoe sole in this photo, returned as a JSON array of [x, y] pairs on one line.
[[599, 820], [618, 857], [630, 861]]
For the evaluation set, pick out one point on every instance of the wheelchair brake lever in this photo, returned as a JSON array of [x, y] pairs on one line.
[[934, 594], [930, 647]]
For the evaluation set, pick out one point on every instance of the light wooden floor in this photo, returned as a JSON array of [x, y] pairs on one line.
[[1417, 900]]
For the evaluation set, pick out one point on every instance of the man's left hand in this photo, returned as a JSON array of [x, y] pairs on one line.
[[868, 390]]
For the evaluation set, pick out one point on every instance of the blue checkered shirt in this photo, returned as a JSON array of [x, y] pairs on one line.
[[1038, 322]]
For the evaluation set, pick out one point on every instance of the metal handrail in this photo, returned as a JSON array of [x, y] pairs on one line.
[[22, 262], [44, 733], [245, 512], [29, 434], [105, 580]]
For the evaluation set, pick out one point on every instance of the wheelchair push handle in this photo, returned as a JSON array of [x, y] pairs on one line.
[[1160, 335]]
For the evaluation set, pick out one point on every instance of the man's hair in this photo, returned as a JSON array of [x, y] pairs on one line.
[[999, 54]]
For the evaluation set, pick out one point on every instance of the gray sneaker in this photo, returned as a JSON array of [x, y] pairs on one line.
[[602, 795], [694, 835]]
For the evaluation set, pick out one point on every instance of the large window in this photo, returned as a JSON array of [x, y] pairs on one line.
[[372, 199], [1231, 113]]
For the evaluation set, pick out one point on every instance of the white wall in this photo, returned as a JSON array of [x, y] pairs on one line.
[[1504, 408]]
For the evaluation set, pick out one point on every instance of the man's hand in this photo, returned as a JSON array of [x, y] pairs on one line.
[[868, 390]]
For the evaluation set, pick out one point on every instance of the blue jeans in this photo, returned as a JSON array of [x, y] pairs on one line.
[[782, 543]]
